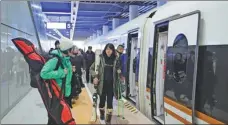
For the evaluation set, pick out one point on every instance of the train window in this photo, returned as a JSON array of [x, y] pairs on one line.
[[212, 82], [180, 70], [149, 68]]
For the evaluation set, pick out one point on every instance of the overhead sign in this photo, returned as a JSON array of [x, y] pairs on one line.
[[51, 25], [68, 25]]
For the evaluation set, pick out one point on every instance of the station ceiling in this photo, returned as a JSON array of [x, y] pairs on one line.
[[90, 16]]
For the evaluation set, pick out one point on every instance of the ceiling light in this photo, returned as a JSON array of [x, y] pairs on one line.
[[56, 25]]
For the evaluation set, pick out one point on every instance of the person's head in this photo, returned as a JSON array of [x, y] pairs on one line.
[[120, 49], [66, 47], [57, 43], [109, 50], [75, 50], [51, 50], [90, 48]]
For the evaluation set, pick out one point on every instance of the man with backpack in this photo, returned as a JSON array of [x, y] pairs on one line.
[[59, 68]]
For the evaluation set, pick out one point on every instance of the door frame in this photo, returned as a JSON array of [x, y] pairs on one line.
[[128, 52], [154, 68], [167, 20]]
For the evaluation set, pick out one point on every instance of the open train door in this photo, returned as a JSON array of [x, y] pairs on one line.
[[132, 44], [181, 69]]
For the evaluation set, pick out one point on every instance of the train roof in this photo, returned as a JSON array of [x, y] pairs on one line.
[[133, 24], [212, 23]]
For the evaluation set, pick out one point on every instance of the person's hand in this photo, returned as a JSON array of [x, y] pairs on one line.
[[65, 71], [119, 71], [95, 81]]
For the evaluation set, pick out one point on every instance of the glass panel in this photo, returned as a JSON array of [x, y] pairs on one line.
[[212, 82], [137, 66], [180, 70], [14, 68], [4, 72], [149, 68]]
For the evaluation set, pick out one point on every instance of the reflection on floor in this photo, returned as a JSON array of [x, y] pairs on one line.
[[30, 110]]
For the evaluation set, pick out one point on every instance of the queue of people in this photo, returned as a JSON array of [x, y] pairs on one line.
[[75, 62]]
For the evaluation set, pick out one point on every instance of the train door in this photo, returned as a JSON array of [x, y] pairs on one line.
[[182, 59], [131, 92], [160, 75], [132, 73], [175, 69]]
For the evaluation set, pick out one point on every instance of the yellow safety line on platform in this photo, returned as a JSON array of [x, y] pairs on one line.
[[82, 109], [131, 108]]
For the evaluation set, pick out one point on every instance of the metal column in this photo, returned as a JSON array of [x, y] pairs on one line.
[[133, 11], [94, 35], [105, 29], [98, 33], [115, 23], [161, 2]]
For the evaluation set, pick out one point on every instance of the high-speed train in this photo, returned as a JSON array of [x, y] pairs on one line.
[[176, 63]]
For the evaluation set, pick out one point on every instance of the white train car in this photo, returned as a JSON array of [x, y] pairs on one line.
[[182, 66], [189, 42]]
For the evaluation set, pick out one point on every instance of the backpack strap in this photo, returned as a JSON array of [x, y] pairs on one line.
[[59, 63]]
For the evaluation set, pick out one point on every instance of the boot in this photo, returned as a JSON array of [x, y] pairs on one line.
[[108, 116], [102, 112]]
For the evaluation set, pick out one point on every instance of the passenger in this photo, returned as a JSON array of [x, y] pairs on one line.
[[50, 50], [120, 50], [119, 53], [90, 59], [105, 79], [84, 58], [77, 61], [48, 71], [57, 44]]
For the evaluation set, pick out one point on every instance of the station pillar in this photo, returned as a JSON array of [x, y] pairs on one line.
[[105, 29], [133, 11], [115, 23]]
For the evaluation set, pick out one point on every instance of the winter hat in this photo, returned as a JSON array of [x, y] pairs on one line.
[[65, 45]]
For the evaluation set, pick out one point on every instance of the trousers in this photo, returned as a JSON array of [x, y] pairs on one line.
[[107, 92]]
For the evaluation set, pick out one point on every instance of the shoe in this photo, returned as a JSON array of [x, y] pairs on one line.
[[108, 116], [102, 114]]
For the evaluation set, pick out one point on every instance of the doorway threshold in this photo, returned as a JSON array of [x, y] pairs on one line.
[[160, 119]]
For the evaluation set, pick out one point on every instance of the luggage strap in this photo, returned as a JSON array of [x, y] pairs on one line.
[[69, 121], [63, 87]]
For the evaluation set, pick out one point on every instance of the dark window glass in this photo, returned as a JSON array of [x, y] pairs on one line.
[[137, 65], [212, 82], [149, 68], [179, 71]]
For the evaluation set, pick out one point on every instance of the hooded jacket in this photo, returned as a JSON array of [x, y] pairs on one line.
[[48, 71], [100, 74]]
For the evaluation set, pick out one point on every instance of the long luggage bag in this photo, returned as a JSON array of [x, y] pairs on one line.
[[51, 94]]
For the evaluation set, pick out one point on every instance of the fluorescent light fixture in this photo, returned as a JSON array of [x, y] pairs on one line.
[[56, 25]]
